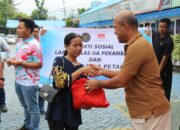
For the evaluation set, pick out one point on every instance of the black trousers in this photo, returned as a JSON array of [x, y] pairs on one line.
[[167, 83], [2, 96], [59, 125]]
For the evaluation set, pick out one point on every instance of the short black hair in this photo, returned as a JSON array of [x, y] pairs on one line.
[[166, 20], [36, 26], [29, 23]]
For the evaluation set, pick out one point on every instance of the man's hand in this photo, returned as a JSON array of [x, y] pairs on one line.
[[9, 62], [1, 83], [14, 62], [92, 85]]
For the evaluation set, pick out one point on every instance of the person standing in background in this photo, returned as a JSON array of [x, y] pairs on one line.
[[1, 75], [163, 46], [36, 32], [27, 63], [40, 99], [3, 46]]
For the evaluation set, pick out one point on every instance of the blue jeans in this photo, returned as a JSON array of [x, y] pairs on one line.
[[41, 104], [28, 97]]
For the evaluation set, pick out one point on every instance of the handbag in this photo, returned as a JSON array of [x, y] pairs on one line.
[[48, 93], [81, 98]]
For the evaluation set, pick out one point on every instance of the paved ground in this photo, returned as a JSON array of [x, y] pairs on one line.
[[115, 117]]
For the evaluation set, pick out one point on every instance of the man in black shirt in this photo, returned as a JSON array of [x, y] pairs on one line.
[[163, 47]]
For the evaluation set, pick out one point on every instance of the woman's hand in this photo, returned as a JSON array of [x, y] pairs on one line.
[[91, 70]]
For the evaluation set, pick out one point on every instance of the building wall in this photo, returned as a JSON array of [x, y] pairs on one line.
[[148, 13], [100, 14], [175, 3], [108, 12]]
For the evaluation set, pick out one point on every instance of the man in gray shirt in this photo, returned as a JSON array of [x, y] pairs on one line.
[[3, 46]]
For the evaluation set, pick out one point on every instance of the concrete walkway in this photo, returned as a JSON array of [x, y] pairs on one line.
[[115, 117], [176, 115]]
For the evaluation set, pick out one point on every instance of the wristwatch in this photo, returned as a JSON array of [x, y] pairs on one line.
[[2, 79]]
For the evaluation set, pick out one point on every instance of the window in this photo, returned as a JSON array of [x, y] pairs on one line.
[[147, 24], [153, 26], [178, 26], [171, 29], [141, 25]]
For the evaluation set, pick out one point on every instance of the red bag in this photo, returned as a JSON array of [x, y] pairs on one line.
[[96, 98]]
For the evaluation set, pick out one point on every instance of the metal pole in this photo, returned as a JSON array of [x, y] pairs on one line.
[[64, 9]]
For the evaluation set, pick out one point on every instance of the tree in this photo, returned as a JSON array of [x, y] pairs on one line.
[[72, 21], [41, 12], [81, 10], [8, 1], [20, 15], [6, 11], [69, 22], [176, 51]]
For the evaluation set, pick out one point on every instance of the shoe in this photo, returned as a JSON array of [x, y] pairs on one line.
[[23, 128], [3, 108], [43, 112]]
